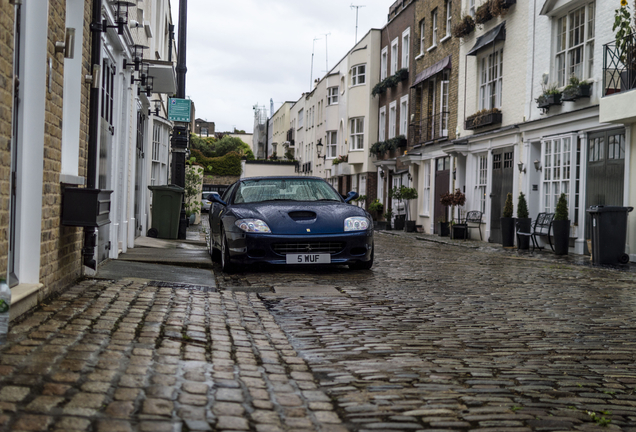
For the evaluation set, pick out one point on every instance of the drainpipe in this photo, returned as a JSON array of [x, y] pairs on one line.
[[90, 236]]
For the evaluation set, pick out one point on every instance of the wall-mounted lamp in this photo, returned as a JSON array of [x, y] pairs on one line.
[[409, 176], [157, 108], [537, 165], [381, 173], [319, 146], [121, 17], [522, 169]]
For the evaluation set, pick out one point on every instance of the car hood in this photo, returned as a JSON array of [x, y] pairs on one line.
[[297, 218]]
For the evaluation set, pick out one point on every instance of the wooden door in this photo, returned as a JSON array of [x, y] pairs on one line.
[[502, 178], [442, 185]]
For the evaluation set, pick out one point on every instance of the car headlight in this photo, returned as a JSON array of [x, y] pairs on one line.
[[253, 225], [356, 224]]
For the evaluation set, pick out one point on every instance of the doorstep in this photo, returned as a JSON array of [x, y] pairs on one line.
[[24, 297]]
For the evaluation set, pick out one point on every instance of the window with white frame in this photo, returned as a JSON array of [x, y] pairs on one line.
[[490, 82], [422, 37], [575, 44], [471, 8], [332, 144], [332, 96], [392, 118], [481, 182], [443, 106], [358, 75], [301, 115], [434, 21], [557, 157], [394, 56], [382, 124], [406, 43], [404, 115], [156, 141], [354, 183], [384, 62], [356, 133], [363, 184], [426, 189], [448, 17]]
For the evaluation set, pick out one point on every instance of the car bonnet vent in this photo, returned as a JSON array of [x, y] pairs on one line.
[[302, 215]]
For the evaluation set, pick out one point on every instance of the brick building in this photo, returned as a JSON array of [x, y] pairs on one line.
[[393, 94]]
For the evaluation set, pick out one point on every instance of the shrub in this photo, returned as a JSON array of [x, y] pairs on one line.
[[507, 210], [376, 206], [464, 27], [228, 165], [561, 208], [522, 206]]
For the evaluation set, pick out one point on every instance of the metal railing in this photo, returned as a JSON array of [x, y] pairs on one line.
[[619, 65], [429, 129]]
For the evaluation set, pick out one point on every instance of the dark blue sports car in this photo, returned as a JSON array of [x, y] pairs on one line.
[[289, 220]]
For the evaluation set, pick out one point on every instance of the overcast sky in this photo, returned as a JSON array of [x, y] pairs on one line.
[[243, 52]]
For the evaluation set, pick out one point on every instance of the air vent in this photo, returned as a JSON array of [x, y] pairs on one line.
[[302, 215]]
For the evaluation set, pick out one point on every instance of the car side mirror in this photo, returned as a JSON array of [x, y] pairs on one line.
[[351, 196], [217, 199]]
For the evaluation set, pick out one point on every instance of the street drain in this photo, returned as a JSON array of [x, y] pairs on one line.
[[174, 285]]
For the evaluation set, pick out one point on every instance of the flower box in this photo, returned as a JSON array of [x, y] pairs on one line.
[[482, 120]]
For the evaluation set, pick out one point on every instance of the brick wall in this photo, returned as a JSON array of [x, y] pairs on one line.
[[6, 101], [422, 95], [61, 260]]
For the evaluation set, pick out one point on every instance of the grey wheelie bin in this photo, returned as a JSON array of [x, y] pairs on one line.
[[166, 209], [609, 234]]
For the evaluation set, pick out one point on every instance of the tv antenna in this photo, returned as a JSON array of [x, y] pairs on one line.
[[311, 75], [357, 7], [326, 53]]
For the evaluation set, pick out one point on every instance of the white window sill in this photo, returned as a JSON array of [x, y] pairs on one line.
[[431, 48], [419, 56], [72, 179], [445, 38], [424, 215], [357, 85], [356, 150]]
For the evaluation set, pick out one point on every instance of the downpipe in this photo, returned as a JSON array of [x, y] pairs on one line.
[[90, 236]]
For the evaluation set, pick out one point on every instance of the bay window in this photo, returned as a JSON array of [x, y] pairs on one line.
[[358, 75], [356, 133]]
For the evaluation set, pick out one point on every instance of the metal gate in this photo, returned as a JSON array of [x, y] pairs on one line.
[[502, 179], [605, 170], [442, 184], [107, 131]]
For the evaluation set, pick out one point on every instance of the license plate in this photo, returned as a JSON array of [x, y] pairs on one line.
[[309, 258]]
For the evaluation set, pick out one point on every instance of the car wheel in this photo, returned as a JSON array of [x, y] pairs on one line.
[[214, 252], [226, 266], [363, 265]]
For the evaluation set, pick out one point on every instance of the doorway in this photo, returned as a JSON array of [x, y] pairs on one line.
[[502, 179], [442, 185]]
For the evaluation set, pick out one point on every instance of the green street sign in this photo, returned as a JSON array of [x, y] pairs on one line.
[[179, 110]]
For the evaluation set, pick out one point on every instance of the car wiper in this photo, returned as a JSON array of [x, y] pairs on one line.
[[279, 199]]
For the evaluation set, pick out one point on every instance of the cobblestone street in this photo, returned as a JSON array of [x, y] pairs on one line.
[[435, 337]]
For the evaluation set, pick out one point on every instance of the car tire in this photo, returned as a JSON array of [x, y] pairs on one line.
[[214, 252], [226, 265], [363, 265]]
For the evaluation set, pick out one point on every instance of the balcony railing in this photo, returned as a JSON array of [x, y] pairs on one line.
[[619, 65], [429, 129]]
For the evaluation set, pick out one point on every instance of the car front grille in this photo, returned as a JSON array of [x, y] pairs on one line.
[[307, 247]]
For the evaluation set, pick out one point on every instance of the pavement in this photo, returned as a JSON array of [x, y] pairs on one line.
[[441, 335]]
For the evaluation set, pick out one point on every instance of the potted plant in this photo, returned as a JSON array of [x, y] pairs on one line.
[[376, 208], [192, 190], [408, 194], [388, 215], [523, 222], [508, 224], [447, 201], [396, 193], [561, 227], [459, 199]]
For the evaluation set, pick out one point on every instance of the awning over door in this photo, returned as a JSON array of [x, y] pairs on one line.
[[432, 70], [495, 34]]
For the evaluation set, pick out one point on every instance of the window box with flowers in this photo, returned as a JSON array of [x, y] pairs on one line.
[[483, 118], [391, 81], [464, 27], [551, 96], [576, 89], [482, 14], [340, 159]]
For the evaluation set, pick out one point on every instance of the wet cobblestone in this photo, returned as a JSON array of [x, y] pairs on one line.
[[440, 337]]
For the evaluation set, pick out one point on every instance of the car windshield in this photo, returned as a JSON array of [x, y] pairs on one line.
[[287, 189]]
